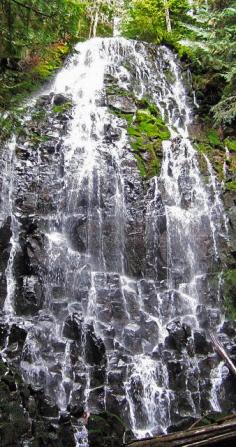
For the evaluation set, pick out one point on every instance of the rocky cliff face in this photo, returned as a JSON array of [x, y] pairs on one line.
[[113, 248]]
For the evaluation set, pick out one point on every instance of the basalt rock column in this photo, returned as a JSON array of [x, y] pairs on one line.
[[110, 278]]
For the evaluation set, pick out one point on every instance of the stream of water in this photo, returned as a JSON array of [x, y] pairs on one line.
[[127, 263]]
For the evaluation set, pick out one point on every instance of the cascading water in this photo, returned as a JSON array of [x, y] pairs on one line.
[[115, 294]]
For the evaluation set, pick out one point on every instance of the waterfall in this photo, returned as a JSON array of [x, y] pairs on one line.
[[109, 275]]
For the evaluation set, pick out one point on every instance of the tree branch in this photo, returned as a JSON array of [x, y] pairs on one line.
[[221, 351], [33, 9]]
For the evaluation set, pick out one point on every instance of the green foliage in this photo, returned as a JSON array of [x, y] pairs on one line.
[[204, 36], [148, 19], [230, 143], [10, 123], [15, 86], [36, 35], [225, 110], [213, 138], [212, 47], [231, 186], [62, 107], [29, 25]]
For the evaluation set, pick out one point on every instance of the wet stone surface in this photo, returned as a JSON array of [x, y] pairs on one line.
[[109, 282]]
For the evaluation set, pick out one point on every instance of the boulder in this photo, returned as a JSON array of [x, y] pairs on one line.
[[178, 334], [59, 99], [73, 327], [94, 347], [202, 346], [106, 429], [122, 103]]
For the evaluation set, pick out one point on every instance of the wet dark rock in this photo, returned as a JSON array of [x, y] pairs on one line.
[[47, 408], [177, 375], [122, 103], [16, 340], [132, 338], [106, 429], [66, 434], [30, 296], [229, 328], [184, 424], [34, 249], [202, 315], [112, 133], [76, 410], [5, 235], [94, 347], [206, 364], [78, 233], [127, 282], [178, 334], [202, 346], [43, 100], [3, 334], [49, 146], [59, 99], [73, 327], [17, 335], [18, 404]]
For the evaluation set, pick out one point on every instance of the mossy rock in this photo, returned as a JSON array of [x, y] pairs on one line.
[[147, 133], [16, 86], [204, 148], [146, 130], [39, 115], [151, 126], [129, 117], [215, 156], [62, 107], [169, 75], [230, 293], [115, 89], [230, 143], [106, 429], [231, 186], [213, 138]]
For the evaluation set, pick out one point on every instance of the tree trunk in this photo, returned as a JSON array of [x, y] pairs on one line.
[[10, 23], [96, 17], [167, 14], [221, 432]]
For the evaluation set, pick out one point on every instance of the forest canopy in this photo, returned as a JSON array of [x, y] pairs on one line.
[[29, 25]]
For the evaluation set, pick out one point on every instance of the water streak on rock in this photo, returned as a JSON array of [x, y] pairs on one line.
[[111, 276]]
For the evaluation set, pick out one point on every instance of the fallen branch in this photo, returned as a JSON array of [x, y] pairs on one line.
[[222, 353], [209, 435]]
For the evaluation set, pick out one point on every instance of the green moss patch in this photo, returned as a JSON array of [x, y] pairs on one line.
[[146, 130], [213, 138], [230, 293], [105, 427], [16, 86], [209, 142], [230, 143], [62, 107], [215, 155], [231, 186]]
